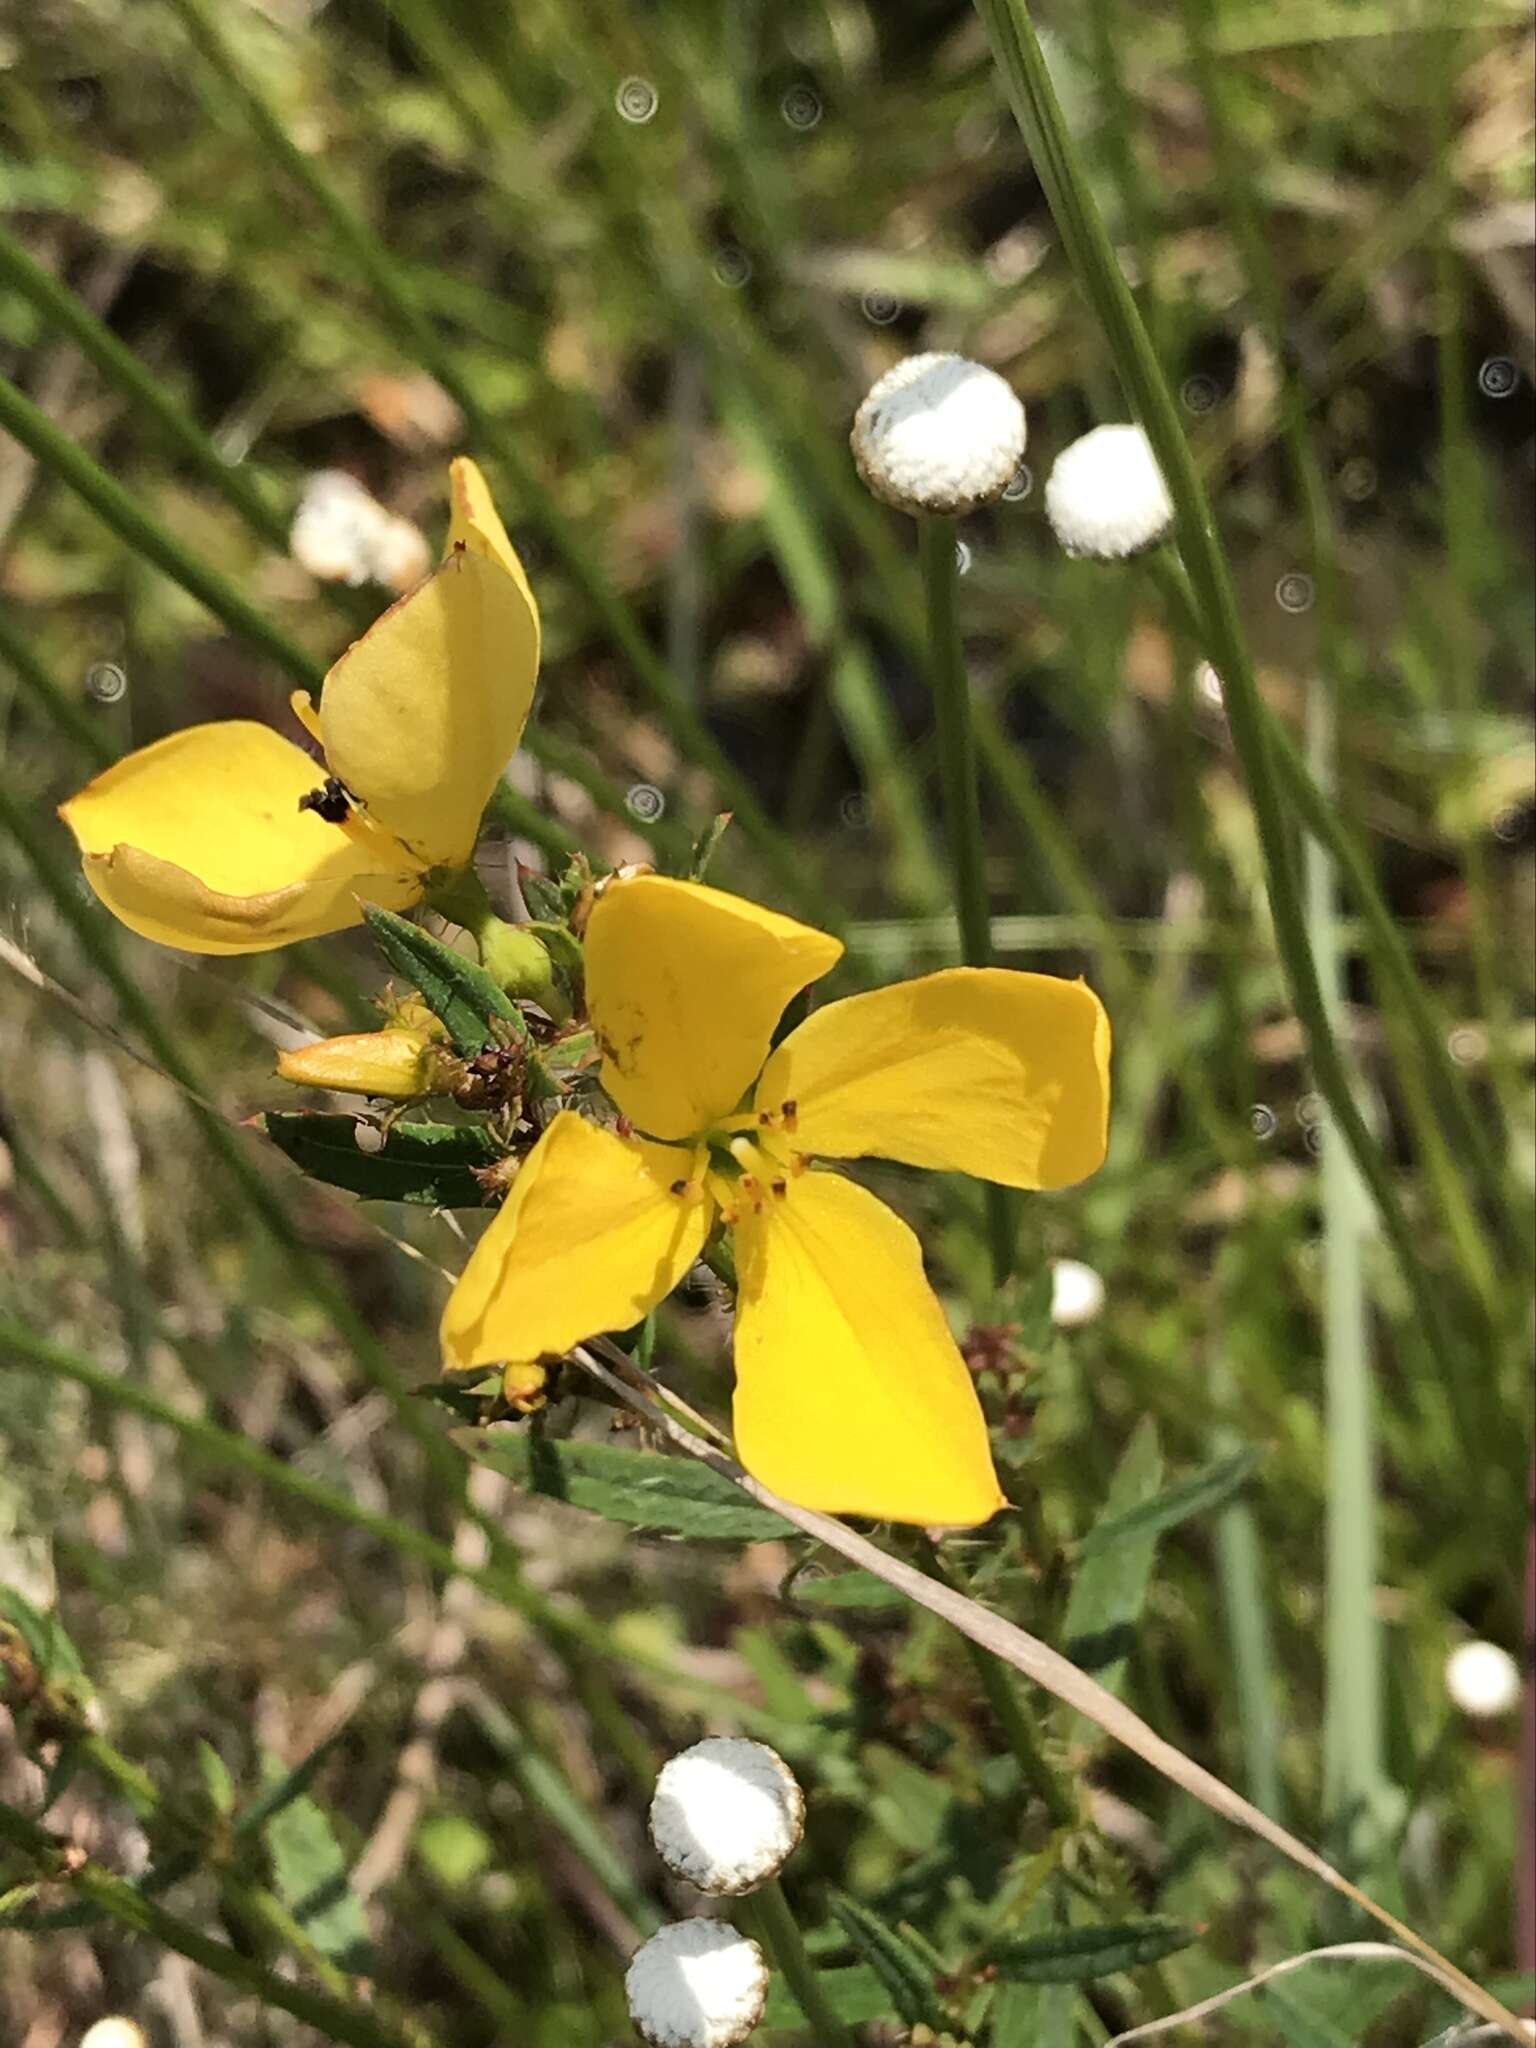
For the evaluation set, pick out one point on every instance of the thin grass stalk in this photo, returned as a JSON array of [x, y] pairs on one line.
[[380, 270], [1058, 1676], [1021, 63], [58, 1862], [962, 805], [1352, 1714], [43, 690], [146, 536], [64, 309], [25, 1350], [1392, 960]]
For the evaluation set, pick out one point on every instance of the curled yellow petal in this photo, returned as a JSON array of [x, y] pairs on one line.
[[589, 1239], [477, 524], [851, 1394], [395, 1065], [685, 985], [198, 841], [974, 1070], [421, 715]]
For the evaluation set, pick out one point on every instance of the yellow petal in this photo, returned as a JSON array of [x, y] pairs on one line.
[[589, 1239], [198, 841], [975, 1070], [420, 716], [398, 1066], [851, 1394], [685, 985], [476, 522]]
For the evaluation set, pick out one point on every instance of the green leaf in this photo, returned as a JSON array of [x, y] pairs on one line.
[[1111, 1587], [42, 1636], [428, 1163], [705, 844], [645, 1489], [461, 995], [1034, 1313], [901, 1969], [854, 1994], [847, 1589], [309, 1875], [1076, 1955], [1033, 2016], [1209, 1488]]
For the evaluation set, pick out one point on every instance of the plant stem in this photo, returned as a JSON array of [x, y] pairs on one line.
[[337, 2021], [1021, 62], [1009, 1711], [962, 803], [1352, 1709], [32, 427], [774, 1924]]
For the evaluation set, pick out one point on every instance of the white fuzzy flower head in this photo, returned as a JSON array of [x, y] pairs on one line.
[[938, 433], [1483, 1680], [726, 1814], [1106, 497], [341, 534], [1077, 1294], [696, 1984], [114, 2032]]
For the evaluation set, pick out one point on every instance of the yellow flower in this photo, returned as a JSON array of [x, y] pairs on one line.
[[227, 838], [851, 1394]]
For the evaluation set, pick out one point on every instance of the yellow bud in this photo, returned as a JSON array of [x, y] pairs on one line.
[[410, 1013], [397, 1064], [525, 1386]]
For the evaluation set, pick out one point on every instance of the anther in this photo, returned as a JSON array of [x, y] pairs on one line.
[[790, 1111], [679, 1187], [624, 1127], [765, 1118], [781, 1188]]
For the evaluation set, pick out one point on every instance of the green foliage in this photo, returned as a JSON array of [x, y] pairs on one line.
[[1076, 1955], [432, 1164], [642, 1489], [468, 1003]]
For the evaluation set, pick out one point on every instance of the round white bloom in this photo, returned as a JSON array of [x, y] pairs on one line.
[[342, 534], [1483, 1680], [726, 1814], [114, 2032], [1077, 1294], [696, 1984], [938, 433], [1106, 496]]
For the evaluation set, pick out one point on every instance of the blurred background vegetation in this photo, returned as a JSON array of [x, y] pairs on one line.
[[642, 262]]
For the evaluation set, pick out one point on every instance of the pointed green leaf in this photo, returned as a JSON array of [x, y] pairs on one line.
[[645, 1489], [901, 1969], [309, 1875], [1204, 1491], [1076, 1955], [1033, 2016], [431, 1164], [853, 1994], [1111, 1587], [460, 994]]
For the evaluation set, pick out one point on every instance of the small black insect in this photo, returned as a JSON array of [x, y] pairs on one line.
[[333, 802]]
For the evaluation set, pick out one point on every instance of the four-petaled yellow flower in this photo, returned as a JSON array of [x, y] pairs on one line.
[[218, 839], [851, 1394]]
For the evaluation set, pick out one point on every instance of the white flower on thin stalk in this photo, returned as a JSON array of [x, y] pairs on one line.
[[696, 1984], [116, 2031], [1106, 497], [938, 434], [342, 534], [726, 1814], [1077, 1294], [1483, 1680]]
